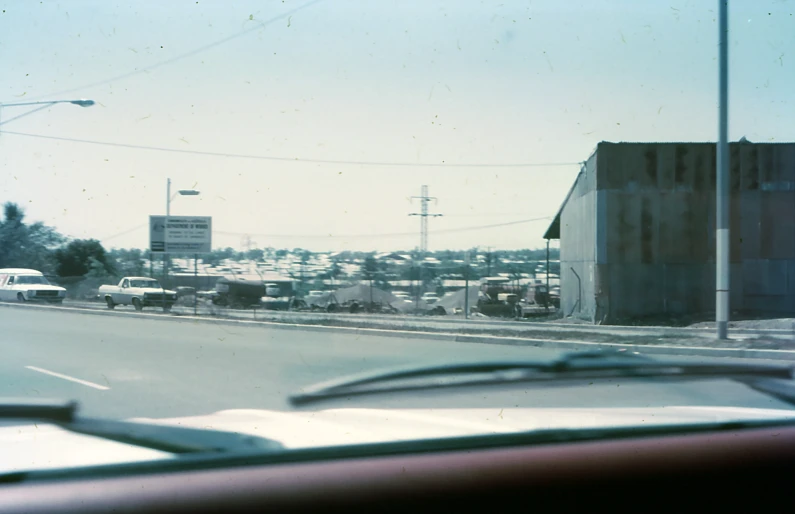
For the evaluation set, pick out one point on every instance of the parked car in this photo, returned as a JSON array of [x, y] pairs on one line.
[[139, 292], [28, 285], [430, 297]]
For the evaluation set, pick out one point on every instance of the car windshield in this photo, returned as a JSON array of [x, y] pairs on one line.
[[31, 279], [301, 191], [145, 283]]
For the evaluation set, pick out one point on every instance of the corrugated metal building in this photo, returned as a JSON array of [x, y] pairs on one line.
[[637, 231]]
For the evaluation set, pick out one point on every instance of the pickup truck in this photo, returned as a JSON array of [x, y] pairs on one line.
[[139, 292]]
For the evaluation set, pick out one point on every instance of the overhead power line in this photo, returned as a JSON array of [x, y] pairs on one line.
[[348, 236], [108, 238], [185, 55], [297, 160], [368, 236]]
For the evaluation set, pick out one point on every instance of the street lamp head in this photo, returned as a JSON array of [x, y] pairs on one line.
[[82, 103], [188, 192]]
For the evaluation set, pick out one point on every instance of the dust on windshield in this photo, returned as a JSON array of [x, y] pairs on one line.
[[328, 187]]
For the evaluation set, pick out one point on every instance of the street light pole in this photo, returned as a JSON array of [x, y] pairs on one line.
[[166, 259], [466, 286], [41, 105], [722, 249]]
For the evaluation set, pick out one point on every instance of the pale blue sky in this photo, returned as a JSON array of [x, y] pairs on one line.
[[388, 81]]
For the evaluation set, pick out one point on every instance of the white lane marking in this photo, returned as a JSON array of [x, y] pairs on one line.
[[67, 377]]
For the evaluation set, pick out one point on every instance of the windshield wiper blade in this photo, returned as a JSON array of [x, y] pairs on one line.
[[41, 410], [572, 366], [167, 438]]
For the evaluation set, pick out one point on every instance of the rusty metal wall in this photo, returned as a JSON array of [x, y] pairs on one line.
[[659, 203], [578, 243]]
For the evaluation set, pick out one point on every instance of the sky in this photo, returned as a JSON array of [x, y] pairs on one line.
[[312, 124]]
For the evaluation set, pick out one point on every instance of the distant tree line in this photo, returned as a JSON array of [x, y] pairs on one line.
[[38, 246]]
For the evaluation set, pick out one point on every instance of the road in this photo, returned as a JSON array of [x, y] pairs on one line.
[[123, 367]]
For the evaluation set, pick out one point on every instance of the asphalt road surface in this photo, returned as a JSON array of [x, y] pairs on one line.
[[123, 367]]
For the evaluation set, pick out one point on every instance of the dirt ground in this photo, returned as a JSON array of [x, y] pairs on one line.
[[739, 320]]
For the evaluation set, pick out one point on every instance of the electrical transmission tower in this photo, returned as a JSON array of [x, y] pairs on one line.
[[424, 214], [247, 243]]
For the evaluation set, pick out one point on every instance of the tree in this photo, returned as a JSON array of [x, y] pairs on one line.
[[75, 259], [255, 254], [335, 271], [128, 262], [26, 246], [96, 269], [370, 266]]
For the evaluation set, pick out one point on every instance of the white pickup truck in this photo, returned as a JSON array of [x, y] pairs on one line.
[[139, 292]]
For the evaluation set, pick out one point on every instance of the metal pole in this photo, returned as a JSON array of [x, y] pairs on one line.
[[549, 295], [722, 183], [165, 236], [466, 287], [196, 282]]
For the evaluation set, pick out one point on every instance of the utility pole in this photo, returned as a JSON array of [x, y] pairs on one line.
[[466, 286], [166, 258], [488, 262], [549, 295], [722, 183]]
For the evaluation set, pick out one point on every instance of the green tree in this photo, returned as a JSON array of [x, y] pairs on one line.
[[75, 258], [336, 270], [26, 246], [98, 272], [255, 254], [128, 261]]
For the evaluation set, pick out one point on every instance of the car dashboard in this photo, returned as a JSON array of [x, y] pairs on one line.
[[733, 468]]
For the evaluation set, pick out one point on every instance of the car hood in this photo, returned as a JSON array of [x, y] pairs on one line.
[[31, 446]]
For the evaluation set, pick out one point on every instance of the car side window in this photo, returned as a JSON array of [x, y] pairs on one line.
[[10, 281], [126, 283]]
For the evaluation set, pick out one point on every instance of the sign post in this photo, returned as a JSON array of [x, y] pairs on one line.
[[195, 282], [181, 234]]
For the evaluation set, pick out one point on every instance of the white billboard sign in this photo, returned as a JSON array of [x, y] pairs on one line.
[[182, 234]]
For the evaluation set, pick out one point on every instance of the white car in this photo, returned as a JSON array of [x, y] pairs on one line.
[[430, 297], [28, 285]]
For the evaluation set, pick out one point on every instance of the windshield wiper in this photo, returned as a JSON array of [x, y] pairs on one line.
[[154, 436], [572, 366]]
